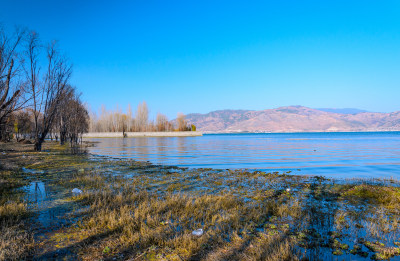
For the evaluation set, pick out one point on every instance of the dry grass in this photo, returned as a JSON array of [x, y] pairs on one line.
[[389, 197], [15, 242], [142, 225]]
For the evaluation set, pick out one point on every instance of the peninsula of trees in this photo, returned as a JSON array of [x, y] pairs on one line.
[[117, 121]]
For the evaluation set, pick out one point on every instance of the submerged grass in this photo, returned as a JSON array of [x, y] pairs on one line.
[[137, 211]]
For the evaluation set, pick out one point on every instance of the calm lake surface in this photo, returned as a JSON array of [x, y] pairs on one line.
[[340, 155]]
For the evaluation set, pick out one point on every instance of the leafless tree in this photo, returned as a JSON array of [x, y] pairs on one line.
[[63, 114], [142, 116], [11, 89], [47, 92], [129, 119], [72, 118], [79, 120], [103, 124], [32, 71], [182, 123], [117, 121], [161, 122], [93, 122], [22, 124]]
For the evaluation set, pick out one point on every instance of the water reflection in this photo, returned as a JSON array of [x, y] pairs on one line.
[[163, 143], [328, 154], [181, 146], [36, 192], [43, 197]]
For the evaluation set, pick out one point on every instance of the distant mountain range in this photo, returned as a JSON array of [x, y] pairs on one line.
[[295, 119], [342, 111]]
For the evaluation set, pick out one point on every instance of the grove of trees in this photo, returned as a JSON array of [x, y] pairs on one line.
[[117, 121], [37, 100], [36, 97]]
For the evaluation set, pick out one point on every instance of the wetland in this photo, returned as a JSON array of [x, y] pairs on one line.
[[127, 209]]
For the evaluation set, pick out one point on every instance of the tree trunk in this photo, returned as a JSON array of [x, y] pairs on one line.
[[63, 137], [39, 141], [38, 145]]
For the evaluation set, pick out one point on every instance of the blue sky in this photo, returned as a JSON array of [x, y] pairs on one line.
[[199, 56]]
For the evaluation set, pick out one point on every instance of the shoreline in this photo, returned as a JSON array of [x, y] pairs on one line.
[[297, 132], [202, 133], [142, 134]]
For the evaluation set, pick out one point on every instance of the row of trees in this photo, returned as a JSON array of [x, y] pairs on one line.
[[36, 98], [117, 121]]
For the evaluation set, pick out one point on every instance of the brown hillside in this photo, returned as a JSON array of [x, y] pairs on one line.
[[293, 119]]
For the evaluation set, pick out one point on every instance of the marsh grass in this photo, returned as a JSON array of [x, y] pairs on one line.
[[138, 224], [15, 241]]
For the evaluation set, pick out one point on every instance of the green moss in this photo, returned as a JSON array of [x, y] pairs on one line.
[[380, 256], [337, 252], [106, 250], [285, 226], [301, 235]]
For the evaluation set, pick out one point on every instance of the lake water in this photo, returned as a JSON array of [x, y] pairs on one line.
[[340, 155]]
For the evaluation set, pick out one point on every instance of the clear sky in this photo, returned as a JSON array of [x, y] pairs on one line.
[[198, 56]]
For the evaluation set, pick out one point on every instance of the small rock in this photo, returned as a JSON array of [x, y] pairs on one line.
[[77, 191], [198, 232]]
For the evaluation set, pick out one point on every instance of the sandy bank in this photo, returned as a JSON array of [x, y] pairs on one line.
[[142, 134]]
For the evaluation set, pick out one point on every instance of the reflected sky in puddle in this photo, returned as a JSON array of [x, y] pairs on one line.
[[36, 192], [44, 198]]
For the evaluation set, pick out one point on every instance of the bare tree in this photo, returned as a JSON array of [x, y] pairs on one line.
[[161, 122], [142, 117], [129, 118], [48, 93], [117, 121], [181, 122], [22, 124], [94, 121], [103, 120], [32, 71], [79, 120], [72, 118], [50, 98], [64, 114], [10, 90]]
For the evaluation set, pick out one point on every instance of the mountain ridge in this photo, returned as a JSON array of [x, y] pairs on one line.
[[342, 110], [294, 119]]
